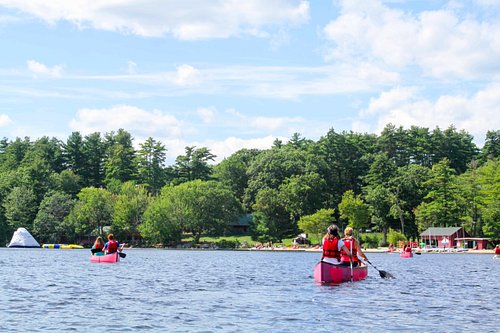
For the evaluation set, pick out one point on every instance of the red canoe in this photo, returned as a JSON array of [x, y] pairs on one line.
[[328, 273], [113, 257], [406, 255]]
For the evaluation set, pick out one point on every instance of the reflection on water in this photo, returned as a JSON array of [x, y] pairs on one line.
[[250, 291]]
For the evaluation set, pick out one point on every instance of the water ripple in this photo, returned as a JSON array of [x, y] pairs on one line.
[[227, 291]]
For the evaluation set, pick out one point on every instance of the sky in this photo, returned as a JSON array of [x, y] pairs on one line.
[[237, 74]]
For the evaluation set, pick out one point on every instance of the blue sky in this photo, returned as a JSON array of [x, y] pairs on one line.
[[238, 74]]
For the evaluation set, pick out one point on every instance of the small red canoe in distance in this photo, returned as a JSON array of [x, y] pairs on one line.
[[110, 258], [406, 255], [328, 273]]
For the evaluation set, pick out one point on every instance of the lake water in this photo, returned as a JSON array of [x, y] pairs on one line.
[[46, 290]]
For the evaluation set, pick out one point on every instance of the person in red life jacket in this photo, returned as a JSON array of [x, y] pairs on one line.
[[408, 248], [112, 245], [332, 245], [497, 250], [391, 248], [352, 244], [98, 247]]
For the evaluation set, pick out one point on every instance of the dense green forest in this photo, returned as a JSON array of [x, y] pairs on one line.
[[403, 180]]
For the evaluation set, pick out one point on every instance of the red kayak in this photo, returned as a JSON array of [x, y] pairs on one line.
[[328, 273], [406, 255], [113, 257]]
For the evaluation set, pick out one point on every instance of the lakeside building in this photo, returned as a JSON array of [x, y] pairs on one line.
[[242, 225], [454, 237], [443, 237], [475, 243]]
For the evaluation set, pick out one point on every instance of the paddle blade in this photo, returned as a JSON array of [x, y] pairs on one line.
[[386, 275], [122, 255]]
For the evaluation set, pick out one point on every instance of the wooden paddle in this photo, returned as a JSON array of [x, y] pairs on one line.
[[383, 274]]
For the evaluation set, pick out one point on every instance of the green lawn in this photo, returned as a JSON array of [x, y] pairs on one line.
[[251, 243], [247, 239], [240, 239]]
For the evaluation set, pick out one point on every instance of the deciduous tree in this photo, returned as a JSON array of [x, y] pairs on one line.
[[93, 211], [49, 222], [355, 210], [272, 220], [232, 171], [131, 203], [318, 222], [20, 208], [443, 204]]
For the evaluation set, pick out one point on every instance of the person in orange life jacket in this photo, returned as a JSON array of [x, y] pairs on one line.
[[352, 244], [112, 245], [98, 247], [332, 245]]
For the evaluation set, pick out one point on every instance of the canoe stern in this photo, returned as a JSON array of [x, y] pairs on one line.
[[108, 258], [328, 273], [406, 255]]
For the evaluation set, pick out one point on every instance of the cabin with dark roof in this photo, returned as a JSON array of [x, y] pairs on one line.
[[443, 237], [241, 226]]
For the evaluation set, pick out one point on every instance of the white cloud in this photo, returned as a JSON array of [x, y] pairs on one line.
[[5, 120], [476, 113], [294, 82], [40, 69], [220, 148], [442, 43], [264, 124], [274, 82], [230, 145], [188, 20], [133, 119], [272, 123], [187, 75], [207, 115], [361, 127], [396, 97]]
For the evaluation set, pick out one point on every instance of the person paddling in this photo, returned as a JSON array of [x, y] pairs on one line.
[[497, 250], [391, 248], [408, 248], [352, 244], [98, 247], [332, 245], [112, 245]]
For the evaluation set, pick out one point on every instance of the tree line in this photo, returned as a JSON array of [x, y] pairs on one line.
[[403, 180]]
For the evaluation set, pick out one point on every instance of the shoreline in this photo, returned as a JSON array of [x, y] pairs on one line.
[[381, 250], [281, 249]]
